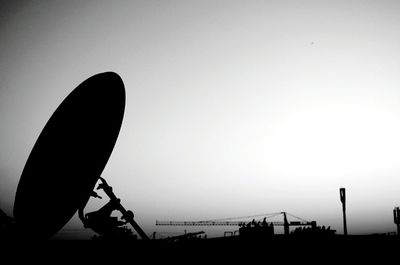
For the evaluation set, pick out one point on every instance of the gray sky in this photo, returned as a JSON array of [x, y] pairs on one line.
[[233, 107]]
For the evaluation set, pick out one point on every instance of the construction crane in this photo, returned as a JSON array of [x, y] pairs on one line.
[[227, 222]]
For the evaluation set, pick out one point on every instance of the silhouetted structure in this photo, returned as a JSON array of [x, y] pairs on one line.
[[69, 156], [256, 230], [185, 237], [343, 200], [7, 226], [314, 231], [103, 223], [396, 217], [285, 224], [247, 228]]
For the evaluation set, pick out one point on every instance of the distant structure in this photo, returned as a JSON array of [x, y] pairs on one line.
[[396, 216], [343, 200], [252, 228]]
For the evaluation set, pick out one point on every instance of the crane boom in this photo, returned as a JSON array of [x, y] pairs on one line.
[[286, 224], [225, 223]]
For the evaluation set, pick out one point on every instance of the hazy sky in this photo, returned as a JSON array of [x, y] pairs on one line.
[[233, 107]]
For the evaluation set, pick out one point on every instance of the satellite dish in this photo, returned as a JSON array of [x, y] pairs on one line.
[[69, 156]]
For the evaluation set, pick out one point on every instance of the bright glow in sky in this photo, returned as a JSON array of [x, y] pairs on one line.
[[233, 107]]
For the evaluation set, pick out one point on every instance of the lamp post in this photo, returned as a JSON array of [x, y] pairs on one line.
[[396, 217], [343, 200]]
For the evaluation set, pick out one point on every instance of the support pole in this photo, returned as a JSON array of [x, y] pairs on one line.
[[396, 216], [343, 200], [285, 224]]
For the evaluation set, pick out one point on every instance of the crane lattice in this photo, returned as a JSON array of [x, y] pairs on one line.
[[229, 222]]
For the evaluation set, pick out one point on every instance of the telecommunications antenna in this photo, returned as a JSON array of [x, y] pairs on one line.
[[69, 156]]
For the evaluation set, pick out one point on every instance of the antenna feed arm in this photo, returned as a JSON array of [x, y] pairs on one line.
[[104, 186], [128, 216], [95, 195]]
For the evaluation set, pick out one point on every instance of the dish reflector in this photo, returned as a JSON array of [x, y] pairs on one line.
[[69, 155]]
